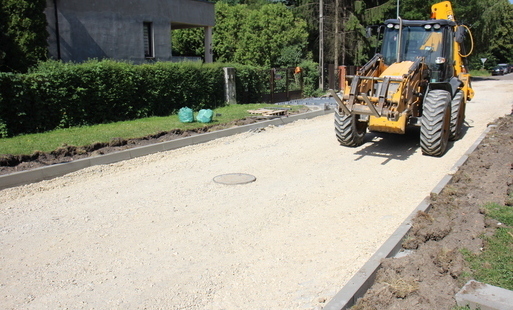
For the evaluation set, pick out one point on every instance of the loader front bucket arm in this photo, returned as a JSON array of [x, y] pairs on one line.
[[382, 91]]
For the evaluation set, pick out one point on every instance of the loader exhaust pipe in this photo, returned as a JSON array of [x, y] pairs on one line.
[[399, 39]]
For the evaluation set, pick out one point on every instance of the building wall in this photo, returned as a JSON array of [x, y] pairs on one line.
[[114, 28]]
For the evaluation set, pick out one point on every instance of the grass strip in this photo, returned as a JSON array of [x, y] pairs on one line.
[[80, 136], [480, 73], [494, 265]]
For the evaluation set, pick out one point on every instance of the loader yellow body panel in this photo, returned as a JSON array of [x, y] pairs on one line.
[[397, 69], [382, 124], [442, 10]]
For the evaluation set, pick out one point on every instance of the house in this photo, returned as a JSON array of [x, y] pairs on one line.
[[133, 30]]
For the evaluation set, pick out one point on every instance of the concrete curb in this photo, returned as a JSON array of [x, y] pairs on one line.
[[53, 171], [364, 278]]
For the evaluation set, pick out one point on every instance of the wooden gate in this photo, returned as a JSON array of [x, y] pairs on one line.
[[285, 84]]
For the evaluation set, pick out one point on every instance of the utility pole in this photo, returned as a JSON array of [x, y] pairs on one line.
[[337, 5], [321, 44]]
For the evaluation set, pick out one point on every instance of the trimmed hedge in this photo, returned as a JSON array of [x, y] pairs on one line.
[[57, 95]]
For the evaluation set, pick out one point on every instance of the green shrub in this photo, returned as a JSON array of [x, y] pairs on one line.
[[251, 82], [60, 95], [310, 78]]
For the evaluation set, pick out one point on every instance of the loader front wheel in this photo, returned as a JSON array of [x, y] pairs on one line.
[[349, 129], [457, 116], [435, 122]]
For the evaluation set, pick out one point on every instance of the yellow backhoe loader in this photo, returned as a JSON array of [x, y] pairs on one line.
[[418, 78]]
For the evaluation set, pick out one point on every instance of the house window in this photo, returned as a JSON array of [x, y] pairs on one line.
[[148, 39]]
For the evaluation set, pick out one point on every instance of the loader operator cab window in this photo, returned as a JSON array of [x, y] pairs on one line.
[[417, 41], [432, 40]]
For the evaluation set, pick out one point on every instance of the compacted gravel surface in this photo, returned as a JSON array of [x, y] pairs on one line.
[[157, 232]]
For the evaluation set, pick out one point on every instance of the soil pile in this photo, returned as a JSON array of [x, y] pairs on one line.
[[433, 273]]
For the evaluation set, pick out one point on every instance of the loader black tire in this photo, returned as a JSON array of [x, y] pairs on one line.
[[435, 122], [349, 130], [457, 116]]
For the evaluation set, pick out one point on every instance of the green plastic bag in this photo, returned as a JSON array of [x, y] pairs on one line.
[[205, 116], [185, 115]]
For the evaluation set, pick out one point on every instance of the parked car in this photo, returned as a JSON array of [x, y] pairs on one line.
[[499, 70], [506, 67]]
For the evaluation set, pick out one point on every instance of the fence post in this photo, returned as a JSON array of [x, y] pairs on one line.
[[331, 76], [272, 77], [229, 85], [342, 77]]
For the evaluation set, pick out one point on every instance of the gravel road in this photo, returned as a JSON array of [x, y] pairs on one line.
[[157, 233]]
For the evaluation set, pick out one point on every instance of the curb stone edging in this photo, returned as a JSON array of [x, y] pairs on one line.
[[57, 170], [364, 278]]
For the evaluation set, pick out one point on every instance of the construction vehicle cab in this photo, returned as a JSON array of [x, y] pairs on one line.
[[418, 78]]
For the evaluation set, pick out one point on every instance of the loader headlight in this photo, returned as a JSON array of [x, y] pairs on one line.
[[397, 27], [427, 27], [390, 26], [440, 60], [437, 26]]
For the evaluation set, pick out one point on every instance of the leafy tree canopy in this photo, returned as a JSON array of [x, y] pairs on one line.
[[269, 35], [23, 34], [267, 32]]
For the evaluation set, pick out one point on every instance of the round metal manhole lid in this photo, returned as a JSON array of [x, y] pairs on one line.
[[234, 178]]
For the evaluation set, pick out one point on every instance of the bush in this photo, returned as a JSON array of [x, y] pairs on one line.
[[251, 83], [310, 78], [56, 95]]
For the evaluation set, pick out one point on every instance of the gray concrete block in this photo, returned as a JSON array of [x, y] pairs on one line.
[[65, 168], [20, 178], [175, 144], [110, 158], [477, 295], [145, 150], [364, 278], [206, 137]]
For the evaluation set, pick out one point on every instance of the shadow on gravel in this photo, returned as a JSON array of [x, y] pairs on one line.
[[397, 147], [390, 146]]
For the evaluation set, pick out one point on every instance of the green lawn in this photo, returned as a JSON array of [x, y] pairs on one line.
[[495, 264], [80, 136], [480, 73]]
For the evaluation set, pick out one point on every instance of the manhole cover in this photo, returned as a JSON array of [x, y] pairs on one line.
[[234, 178]]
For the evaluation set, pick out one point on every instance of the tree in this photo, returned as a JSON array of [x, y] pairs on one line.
[[267, 32], [188, 42], [495, 30], [23, 34], [345, 36], [266, 36], [228, 30]]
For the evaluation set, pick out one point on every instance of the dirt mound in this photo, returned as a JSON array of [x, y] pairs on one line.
[[429, 277]]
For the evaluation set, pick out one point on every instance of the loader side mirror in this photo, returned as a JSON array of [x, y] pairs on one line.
[[368, 32], [459, 35], [372, 30]]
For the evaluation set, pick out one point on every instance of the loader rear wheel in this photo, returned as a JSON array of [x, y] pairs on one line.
[[435, 123], [457, 116], [349, 129]]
